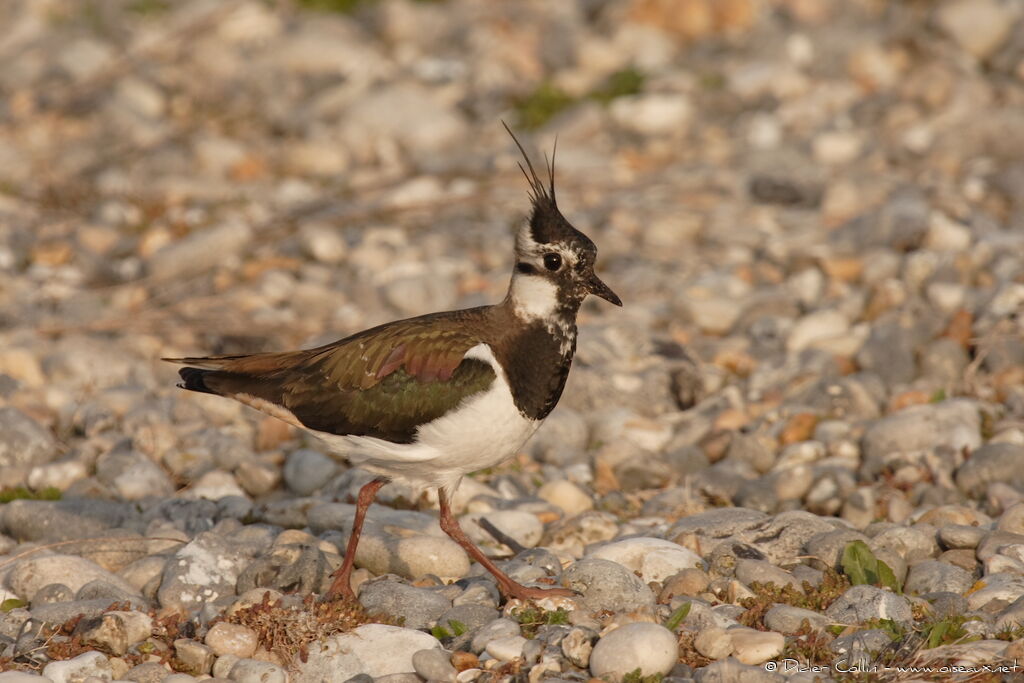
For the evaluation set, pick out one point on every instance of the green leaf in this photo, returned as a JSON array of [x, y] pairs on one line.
[[677, 617], [887, 578], [11, 603], [937, 632], [860, 564], [440, 632], [458, 628]]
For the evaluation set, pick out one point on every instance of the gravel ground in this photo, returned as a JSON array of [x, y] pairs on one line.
[[800, 441]]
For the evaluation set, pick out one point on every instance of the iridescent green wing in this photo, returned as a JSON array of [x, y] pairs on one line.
[[387, 381]]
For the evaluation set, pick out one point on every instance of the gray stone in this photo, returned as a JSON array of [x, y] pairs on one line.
[[420, 607], [912, 544], [654, 559], [57, 613], [470, 615], [373, 649], [63, 520], [51, 593], [148, 672], [760, 571], [306, 471], [731, 670], [200, 572], [200, 250], [954, 536], [499, 628], [194, 657], [577, 645], [76, 670], [115, 631], [649, 647], [286, 568], [861, 603], [933, 576], [434, 665], [257, 671], [606, 585], [751, 646], [994, 462], [789, 619], [954, 424], [23, 443], [32, 573], [827, 548], [718, 523]]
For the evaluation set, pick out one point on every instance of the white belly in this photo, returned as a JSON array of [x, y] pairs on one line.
[[485, 430]]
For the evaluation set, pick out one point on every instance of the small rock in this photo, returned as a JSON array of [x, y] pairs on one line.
[[756, 647], [193, 657], [434, 665], [861, 603], [653, 114], [200, 251], [200, 572], [687, 582], [656, 559], [713, 642], [307, 470], [507, 648], [116, 631], [23, 443], [499, 628], [374, 649], [521, 526], [933, 576], [566, 495], [577, 645], [651, 648], [412, 556], [977, 26], [225, 638], [79, 668], [147, 672], [257, 671], [606, 585], [419, 607], [994, 462], [789, 619], [33, 573]]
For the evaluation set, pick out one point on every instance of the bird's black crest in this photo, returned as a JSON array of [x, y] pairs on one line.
[[547, 224]]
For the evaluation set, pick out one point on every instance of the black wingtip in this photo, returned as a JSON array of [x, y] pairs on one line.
[[194, 379]]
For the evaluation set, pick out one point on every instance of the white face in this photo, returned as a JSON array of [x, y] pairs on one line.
[[540, 269]]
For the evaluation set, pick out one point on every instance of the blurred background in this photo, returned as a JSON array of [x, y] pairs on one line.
[[810, 207]]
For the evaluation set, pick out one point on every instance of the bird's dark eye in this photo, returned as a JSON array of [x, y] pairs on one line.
[[552, 261]]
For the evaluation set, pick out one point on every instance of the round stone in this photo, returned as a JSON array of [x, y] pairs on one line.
[[231, 639], [651, 648]]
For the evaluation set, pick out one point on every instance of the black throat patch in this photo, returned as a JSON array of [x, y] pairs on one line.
[[536, 366]]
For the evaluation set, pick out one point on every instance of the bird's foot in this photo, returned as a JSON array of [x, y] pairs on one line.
[[341, 588]]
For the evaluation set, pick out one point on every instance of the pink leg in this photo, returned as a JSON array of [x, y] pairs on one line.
[[342, 585], [506, 585]]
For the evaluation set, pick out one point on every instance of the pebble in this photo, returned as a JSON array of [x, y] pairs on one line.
[[649, 647], [373, 649], [307, 470], [567, 496], [861, 603], [419, 607], [79, 668], [655, 559], [434, 665], [756, 647], [22, 441], [116, 631], [33, 573], [607, 585], [256, 671], [231, 639]]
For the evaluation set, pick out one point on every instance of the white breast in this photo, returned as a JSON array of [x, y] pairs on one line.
[[485, 430]]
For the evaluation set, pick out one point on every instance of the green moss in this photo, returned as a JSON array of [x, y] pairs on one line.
[[628, 81], [22, 493], [12, 603]]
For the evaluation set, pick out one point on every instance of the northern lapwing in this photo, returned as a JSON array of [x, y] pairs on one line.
[[430, 399]]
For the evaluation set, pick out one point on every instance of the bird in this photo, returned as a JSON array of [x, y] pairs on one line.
[[430, 399]]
